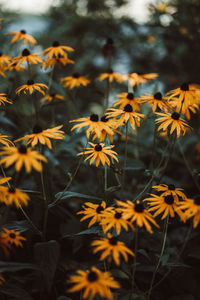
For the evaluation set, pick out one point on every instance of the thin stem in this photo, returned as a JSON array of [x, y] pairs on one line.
[[108, 83], [125, 160], [29, 220], [105, 180], [45, 205], [160, 257]]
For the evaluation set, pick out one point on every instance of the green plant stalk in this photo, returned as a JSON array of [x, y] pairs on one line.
[[125, 161], [108, 83], [160, 257]]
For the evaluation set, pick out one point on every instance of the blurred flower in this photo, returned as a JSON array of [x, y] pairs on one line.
[[128, 98], [127, 114], [99, 153], [151, 38], [115, 219], [93, 211], [162, 7], [2, 280], [178, 125], [183, 30], [136, 78], [51, 97], [27, 57], [191, 108], [75, 80], [93, 282], [157, 101], [95, 126], [4, 99], [111, 76], [59, 60], [11, 195], [168, 205], [22, 35], [191, 209], [136, 212], [43, 136], [170, 189], [31, 86], [13, 237], [111, 247], [22, 155], [56, 49], [5, 141], [4, 246], [15, 67], [4, 60]]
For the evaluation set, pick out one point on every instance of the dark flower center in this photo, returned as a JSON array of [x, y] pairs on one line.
[[110, 71], [23, 31], [76, 75], [99, 209], [113, 241], [12, 235], [171, 187], [52, 95], [92, 276], [94, 118], [130, 96], [37, 129], [169, 199], [197, 200], [128, 108], [30, 82], [22, 149], [56, 44], [158, 96], [11, 190], [104, 119], [185, 87], [118, 215], [26, 52], [98, 147], [175, 115], [139, 208]]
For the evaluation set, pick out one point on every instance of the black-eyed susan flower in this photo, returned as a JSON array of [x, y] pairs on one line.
[[111, 76], [4, 60], [114, 219], [128, 98], [99, 153], [22, 35], [185, 95], [112, 124], [193, 108], [4, 99], [59, 60], [13, 237], [28, 57], [168, 205], [174, 121], [136, 212], [51, 97], [2, 280], [191, 209], [22, 156], [11, 195], [157, 101], [43, 136], [56, 49], [13, 66], [112, 248], [137, 78], [95, 126], [31, 86], [169, 189], [75, 80], [93, 211], [93, 282], [2, 71], [4, 180], [125, 115], [5, 141]]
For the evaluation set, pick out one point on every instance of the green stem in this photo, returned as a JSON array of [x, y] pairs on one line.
[[125, 161], [108, 83]]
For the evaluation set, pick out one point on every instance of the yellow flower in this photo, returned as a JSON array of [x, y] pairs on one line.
[[112, 125], [127, 114], [31, 86], [4, 60], [128, 98], [157, 101], [191, 108], [55, 50], [95, 126], [2, 280], [162, 7], [111, 247], [43, 136], [136, 78], [170, 189], [191, 209], [51, 97], [59, 60], [13, 237], [11, 195], [22, 35], [5, 141], [4, 99], [178, 125], [27, 57], [168, 205], [93, 282], [111, 76], [15, 67], [22, 155], [75, 80], [136, 212], [115, 219], [99, 153]]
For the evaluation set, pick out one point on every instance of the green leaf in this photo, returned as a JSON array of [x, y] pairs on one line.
[[15, 266], [93, 230]]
